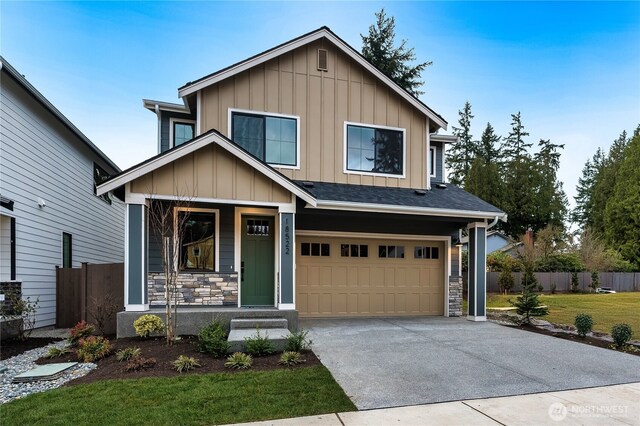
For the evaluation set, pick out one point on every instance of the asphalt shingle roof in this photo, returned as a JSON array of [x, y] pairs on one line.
[[450, 197]]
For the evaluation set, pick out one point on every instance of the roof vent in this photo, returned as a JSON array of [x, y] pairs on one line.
[[308, 184], [441, 186], [421, 192], [322, 60]]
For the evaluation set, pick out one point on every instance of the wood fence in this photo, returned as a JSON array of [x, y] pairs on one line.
[[88, 293], [618, 281]]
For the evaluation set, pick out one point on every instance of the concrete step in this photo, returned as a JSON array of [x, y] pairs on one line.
[[278, 337], [262, 323]]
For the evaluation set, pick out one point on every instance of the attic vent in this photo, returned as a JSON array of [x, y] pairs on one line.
[[441, 186], [421, 192], [322, 60], [308, 184]]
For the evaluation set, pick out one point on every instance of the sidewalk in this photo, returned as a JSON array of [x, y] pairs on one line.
[[608, 405]]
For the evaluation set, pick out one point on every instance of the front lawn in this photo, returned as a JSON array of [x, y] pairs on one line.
[[606, 309], [189, 400]]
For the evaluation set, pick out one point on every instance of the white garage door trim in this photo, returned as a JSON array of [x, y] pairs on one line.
[[446, 239]]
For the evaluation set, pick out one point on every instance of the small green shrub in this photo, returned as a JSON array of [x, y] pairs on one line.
[[621, 334], [506, 281], [595, 280], [56, 352], [127, 354], [212, 340], [297, 341], [93, 348], [290, 358], [259, 345], [185, 363], [552, 289], [584, 324], [148, 324], [140, 363], [575, 283], [239, 361], [80, 331]]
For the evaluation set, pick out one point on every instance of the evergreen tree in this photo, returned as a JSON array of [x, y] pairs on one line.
[[461, 154], [489, 149], [582, 214], [550, 196], [484, 179], [378, 47], [515, 148]]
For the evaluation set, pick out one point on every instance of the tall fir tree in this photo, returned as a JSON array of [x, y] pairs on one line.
[[397, 63], [484, 179], [515, 147], [461, 154], [582, 214], [550, 196]]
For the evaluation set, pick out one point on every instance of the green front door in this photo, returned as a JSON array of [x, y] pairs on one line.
[[257, 261]]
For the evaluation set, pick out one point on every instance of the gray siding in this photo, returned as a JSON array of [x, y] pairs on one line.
[[439, 171], [41, 158], [455, 253], [165, 117]]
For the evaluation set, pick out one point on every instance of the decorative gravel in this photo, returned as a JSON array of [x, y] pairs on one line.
[[25, 362]]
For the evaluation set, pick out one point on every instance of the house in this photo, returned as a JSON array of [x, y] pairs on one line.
[[322, 184], [50, 214], [496, 241]]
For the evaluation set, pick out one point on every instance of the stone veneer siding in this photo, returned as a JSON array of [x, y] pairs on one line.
[[197, 289], [455, 296]]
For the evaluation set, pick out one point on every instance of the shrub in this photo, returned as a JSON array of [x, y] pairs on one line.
[[560, 262], [584, 324], [212, 340], [259, 345], [595, 280], [93, 348], [528, 305], [290, 358], [185, 363], [506, 281], [56, 352], [540, 288], [239, 361], [127, 354], [23, 310], [297, 341], [500, 261], [621, 334], [552, 289], [80, 331], [575, 283], [140, 363], [147, 324]]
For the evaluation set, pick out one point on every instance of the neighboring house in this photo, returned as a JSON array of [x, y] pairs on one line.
[[322, 183], [50, 214], [496, 240]]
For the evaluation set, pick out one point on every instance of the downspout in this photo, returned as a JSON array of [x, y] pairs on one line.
[[492, 224], [159, 128]]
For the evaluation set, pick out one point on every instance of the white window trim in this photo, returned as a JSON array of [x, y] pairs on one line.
[[432, 162], [216, 238], [174, 120], [374, 126], [275, 115]]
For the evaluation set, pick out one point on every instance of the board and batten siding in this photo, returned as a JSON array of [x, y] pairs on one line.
[[41, 158], [291, 84], [211, 172]]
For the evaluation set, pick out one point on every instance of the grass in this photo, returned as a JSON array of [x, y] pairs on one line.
[[190, 400], [606, 309]]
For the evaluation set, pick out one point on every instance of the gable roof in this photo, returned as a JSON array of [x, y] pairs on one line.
[[323, 32], [39, 97], [449, 201], [212, 136]]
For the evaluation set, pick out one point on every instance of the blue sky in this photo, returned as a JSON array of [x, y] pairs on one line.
[[571, 69]]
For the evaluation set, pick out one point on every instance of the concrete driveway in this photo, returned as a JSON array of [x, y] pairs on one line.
[[406, 361]]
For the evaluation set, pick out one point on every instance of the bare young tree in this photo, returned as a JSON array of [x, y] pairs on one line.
[[169, 228]]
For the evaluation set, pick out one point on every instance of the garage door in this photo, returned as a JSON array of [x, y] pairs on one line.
[[368, 277]]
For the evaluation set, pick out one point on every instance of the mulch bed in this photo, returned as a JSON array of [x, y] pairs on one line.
[[588, 340], [109, 368], [13, 347]]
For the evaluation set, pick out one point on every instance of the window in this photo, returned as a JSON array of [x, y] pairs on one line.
[[315, 249], [424, 252], [374, 150], [391, 252], [271, 139], [258, 227], [67, 250], [197, 245], [99, 176], [182, 132], [354, 250], [432, 162]]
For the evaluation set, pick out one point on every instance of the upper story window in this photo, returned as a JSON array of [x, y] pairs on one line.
[[99, 176], [273, 139], [181, 131], [432, 162], [375, 150]]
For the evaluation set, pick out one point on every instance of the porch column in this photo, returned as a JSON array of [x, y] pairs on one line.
[[477, 278], [135, 258], [287, 259]]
